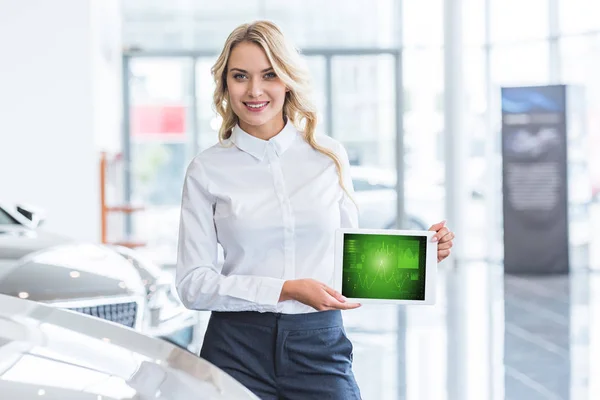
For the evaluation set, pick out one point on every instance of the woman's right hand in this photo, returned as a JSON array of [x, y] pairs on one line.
[[315, 294]]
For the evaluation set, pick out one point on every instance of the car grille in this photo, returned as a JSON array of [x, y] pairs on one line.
[[122, 313]]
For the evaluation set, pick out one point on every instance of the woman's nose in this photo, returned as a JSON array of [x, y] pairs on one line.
[[254, 89]]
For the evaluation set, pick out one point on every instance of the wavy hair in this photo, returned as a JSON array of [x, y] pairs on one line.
[[289, 67]]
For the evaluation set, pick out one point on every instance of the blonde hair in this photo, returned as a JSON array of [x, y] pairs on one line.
[[289, 67]]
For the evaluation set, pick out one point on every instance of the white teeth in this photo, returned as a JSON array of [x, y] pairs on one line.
[[256, 105]]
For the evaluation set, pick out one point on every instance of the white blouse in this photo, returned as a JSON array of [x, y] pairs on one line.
[[274, 207]]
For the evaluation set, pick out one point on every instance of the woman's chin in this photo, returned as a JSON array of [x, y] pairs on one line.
[[256, 120]]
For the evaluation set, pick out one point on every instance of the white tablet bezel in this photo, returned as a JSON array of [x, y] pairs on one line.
[[430, 264]]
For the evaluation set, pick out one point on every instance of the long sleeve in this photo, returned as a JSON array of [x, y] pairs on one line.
[[348, 209], [200, 282]]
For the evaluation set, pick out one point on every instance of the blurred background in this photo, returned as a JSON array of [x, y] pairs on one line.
[[104, 103], [378, 70]]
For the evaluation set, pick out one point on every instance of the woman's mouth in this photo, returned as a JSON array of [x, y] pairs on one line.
[[255, 106]]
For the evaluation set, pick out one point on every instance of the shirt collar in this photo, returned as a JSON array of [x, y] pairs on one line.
[[257, 147]]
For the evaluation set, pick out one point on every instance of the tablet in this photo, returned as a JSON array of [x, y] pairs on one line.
[[386, 266]]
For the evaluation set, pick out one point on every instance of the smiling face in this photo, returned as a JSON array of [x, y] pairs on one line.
[[256, 94]]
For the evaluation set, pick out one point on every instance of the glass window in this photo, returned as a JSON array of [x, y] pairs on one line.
[[317, 67], [424, 113], [6, 219], [184, 25], [518, 20], [424, 134], [208, 122], [364, 107], [476, 102], [423, 23], [160, 147], [159, 128], [480, 141], [336, 23], [474, 22], [576, 16], [309, 23], [475, 81], [580, 63], [364, 120], [520, 64]]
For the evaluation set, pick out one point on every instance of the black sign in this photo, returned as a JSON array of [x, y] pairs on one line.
[[535, 188]]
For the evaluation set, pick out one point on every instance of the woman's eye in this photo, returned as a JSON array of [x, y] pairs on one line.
[[239, 76], [270, 75]]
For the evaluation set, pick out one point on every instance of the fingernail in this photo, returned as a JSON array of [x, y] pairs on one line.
[[344, 298], [434, 239]]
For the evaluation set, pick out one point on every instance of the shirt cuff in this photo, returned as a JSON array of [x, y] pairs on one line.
[[269, 291]]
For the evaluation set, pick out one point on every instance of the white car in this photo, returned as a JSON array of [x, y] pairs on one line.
[[109, 282], [53, 354]]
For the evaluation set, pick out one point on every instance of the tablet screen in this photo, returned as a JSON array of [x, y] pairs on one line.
[[390, 267]]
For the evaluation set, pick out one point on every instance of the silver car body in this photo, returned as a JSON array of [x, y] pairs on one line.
[[90, 278], [84, 277], [53, 354]]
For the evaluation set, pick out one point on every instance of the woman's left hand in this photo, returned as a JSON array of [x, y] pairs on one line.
[[444, 238]]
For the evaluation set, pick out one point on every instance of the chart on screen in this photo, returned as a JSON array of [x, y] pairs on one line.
[[384, 267]]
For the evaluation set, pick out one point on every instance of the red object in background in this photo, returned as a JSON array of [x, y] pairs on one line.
[[163, 120]]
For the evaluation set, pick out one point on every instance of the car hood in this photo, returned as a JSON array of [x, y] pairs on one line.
[[55, 354], [17, 241], [69, 272]]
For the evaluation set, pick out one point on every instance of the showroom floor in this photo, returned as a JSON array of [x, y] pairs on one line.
[[489, 337]]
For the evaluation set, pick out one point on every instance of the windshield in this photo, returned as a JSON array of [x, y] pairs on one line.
[[6, 219]]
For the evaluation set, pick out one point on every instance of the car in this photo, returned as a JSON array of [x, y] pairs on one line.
[[110, 282], [375, 195], [168, 318], [54, 354]]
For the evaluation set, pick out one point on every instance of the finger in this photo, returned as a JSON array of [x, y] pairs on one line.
[[438, 226], [447, 237], [440, 234], [443, 254], [350, 306], [333, 304], [334, 293], [445, 245], [345, 306]]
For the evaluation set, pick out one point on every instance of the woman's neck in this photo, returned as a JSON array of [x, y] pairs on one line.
[[265, 131]]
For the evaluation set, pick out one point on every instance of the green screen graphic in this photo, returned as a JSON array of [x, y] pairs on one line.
[[387, 267]]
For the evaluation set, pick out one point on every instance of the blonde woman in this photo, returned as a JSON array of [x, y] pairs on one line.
[[272, 194]]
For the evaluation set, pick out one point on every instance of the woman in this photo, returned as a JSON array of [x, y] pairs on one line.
[[272, 195]]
